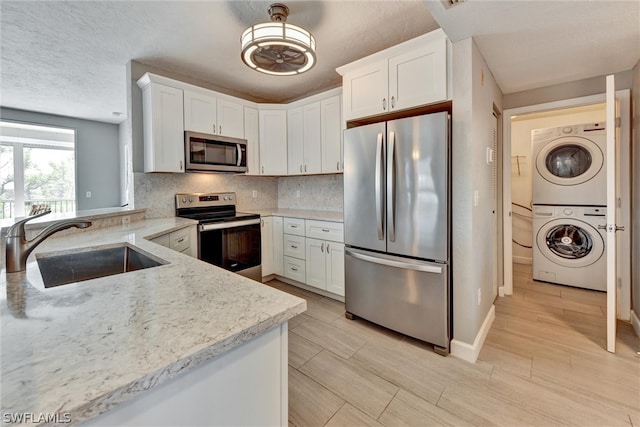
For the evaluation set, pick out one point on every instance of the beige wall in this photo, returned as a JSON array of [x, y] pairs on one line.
[[521, 181], [635, 191]]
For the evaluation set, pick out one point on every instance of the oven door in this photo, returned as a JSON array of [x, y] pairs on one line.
[[234, 246]]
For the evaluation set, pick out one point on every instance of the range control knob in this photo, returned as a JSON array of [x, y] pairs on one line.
[[184, 200], [567, 129], [190, 199], [568, 211]]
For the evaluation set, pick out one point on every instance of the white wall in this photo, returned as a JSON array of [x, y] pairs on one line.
[[521, 183], [635, 190], [474, 95], [97, 163]]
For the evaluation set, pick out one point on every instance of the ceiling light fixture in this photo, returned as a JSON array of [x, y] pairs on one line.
[[278, 48]]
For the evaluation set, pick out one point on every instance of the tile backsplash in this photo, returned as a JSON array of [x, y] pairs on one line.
[[156, 191], [316, 192]]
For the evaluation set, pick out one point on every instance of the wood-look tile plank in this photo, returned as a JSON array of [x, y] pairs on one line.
[[325, 309], [408, 410], [293, 290], [363, 389], [349, 416], [301, 350], [367, 331], [328, 336], [310, 404], [505, 360], [298, 320]]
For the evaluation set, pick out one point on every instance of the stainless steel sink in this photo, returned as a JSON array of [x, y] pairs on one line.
[[61, 268]]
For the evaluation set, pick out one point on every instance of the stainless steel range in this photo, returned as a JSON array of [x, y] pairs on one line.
[[226, 238]]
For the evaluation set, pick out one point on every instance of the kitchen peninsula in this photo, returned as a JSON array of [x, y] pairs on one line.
[[180, 343]]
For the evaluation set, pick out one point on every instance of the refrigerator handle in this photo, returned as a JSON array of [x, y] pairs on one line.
[[391, 187], [393, 263], [378, 189]]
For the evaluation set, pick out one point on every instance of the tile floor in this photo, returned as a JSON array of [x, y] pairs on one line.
[[543, 364]]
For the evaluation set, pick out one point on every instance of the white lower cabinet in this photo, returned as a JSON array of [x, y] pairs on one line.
[[294, 268], [184, 241], [325, 265]]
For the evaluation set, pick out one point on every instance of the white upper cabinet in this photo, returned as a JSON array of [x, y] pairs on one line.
[[331, 134], [408, 75], [252, 135], [273, 142], [207, 112], [162, 107], [304, 139]]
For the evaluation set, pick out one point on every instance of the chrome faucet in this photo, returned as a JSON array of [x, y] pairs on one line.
[[19, 248]]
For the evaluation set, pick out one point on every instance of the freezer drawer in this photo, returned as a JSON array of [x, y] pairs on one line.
[[407, 296]]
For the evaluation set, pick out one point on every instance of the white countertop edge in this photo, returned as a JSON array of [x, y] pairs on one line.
[[335, 216]]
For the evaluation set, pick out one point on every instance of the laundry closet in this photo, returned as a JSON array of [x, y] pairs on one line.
[[558, 194]]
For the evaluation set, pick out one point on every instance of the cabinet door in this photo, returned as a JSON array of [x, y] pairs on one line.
[[278, 250], [419, 77], [295, 141], [331, 134], [252, 135], [273, 142], [335, 268], [312, 130], [267, 246], [230, 118], [163, 128], [199, 112], [316, 263], [365, 91]]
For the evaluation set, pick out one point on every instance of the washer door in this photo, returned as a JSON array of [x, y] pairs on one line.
[[570, 160], [570, 242]]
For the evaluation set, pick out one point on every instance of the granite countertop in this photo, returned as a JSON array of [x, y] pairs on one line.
[[303, 213], [83, 348]]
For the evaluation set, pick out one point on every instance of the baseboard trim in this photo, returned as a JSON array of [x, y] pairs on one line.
[[469, 352], [522, 260], [635, 321]]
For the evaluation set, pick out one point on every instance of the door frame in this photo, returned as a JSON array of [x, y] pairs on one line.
[[624, 300]]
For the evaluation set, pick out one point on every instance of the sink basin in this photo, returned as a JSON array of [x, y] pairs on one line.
[[61, 268]]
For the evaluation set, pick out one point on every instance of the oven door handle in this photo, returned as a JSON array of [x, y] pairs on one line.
[[231, 224]]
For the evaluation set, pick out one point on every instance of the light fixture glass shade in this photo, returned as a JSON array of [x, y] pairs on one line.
[[278, 48]]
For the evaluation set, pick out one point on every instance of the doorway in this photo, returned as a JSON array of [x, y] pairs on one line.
[[517, 167]]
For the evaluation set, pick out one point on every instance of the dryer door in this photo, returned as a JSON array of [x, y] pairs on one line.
[[570, 242], [570, 160]]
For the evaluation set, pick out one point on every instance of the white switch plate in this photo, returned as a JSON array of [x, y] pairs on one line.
[[88, 195], [297, 194], [489, 155], [476, 198], [479, 296], [254, 194]]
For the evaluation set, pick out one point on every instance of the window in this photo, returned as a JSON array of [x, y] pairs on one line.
[[37, 166]]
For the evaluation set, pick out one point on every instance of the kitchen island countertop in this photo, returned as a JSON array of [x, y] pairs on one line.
[[81, 349]]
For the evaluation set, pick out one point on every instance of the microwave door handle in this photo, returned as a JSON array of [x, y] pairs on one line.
[[239, 154]]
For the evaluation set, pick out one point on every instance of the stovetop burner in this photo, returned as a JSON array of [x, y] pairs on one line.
[[210, 207]]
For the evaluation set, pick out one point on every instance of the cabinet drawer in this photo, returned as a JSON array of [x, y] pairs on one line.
[[294, 269], [294, 226], [180, 240], [325, 230], [294, 246]]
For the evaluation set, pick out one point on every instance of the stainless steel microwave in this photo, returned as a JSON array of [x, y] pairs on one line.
[[214, 153]]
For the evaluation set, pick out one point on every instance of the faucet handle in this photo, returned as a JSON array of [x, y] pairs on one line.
[[17, 229]]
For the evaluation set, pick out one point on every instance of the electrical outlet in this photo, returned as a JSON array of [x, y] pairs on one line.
[[88, 194], [479, 296], [476, 198], [126, 220], [254, 194], [297, 194]]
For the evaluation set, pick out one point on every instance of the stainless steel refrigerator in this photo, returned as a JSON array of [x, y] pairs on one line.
[[397, 226]]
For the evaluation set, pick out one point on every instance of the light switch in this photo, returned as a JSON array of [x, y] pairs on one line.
[[88, 195], [476, 198]]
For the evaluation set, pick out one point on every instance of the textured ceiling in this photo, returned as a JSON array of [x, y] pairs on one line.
[[69, 58]]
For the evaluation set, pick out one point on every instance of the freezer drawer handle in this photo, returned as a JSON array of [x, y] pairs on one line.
[[398, 264]]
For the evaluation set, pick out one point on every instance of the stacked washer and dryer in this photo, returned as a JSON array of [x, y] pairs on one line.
[[569, 203]]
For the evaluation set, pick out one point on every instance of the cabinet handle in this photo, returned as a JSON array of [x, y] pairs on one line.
[[322, 247], [262, 169], [326, 230], [294, 226], [300, 168], [338, 165], [180, 164], [294, 269], [262, 222], [294, 247], [393, 102], [327, 248], [305, 168], [181, 240], [220, 127], [384, 103], [214, 129]]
